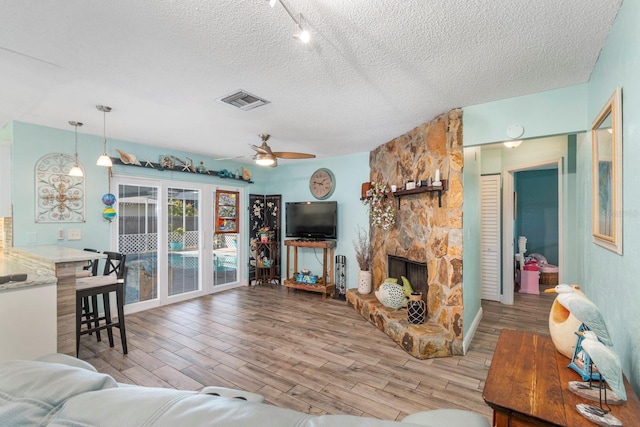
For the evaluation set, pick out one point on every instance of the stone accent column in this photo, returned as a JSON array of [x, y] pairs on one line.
[[425, 232]]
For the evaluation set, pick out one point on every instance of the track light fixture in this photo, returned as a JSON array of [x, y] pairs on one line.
[[303, 35], [104, 159], [76, 170]]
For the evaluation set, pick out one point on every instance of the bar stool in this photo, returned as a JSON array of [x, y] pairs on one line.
[[112, 280], [89, 310]]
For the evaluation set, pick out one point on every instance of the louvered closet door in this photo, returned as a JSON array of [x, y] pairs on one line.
[[490, 239]]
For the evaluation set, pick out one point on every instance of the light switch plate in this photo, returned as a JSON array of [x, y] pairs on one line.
[[60, 233], [74, 234]]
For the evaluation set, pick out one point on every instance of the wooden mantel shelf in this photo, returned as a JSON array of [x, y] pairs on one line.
[[418, 190]]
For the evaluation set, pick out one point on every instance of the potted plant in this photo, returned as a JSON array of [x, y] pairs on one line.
[[265, 234], [176, 238], [362, 247]]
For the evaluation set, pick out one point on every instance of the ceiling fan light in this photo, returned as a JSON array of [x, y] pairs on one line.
[[104, 160], [264, 160]]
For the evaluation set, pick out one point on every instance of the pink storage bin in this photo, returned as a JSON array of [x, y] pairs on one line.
[[529, 282]]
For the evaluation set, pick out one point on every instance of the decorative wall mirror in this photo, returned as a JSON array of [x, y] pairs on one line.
[[606, 134]]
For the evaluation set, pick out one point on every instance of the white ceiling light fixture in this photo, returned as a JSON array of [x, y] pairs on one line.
[[512, 144], [76, 170], [264, 159], [104, 159], [304, 36]]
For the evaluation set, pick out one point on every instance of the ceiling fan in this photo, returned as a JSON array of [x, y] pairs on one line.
[[265, 157]]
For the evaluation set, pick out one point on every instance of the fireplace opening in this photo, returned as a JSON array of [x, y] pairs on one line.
[[415, 271]]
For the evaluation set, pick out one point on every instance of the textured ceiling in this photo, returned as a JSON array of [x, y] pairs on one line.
[[373, 70]]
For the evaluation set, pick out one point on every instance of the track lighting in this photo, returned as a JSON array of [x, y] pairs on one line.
[[104, 159], [303, 35], [76, 170]]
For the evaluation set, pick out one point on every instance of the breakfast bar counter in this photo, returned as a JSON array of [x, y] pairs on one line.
[[61, 263]]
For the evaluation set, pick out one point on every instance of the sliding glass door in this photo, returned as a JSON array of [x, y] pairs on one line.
[[138, 239], [170, 232], [183, 258]]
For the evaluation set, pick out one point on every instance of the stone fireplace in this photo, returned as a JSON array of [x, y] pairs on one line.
[[426, 233]]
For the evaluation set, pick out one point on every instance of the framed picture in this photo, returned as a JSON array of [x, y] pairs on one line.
[[59, 197], [606, 136], [227, 218]]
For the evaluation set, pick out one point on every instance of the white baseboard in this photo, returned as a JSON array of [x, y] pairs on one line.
[[468, 337]]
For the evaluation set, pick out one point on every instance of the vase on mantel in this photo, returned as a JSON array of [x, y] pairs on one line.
[[364, 282]]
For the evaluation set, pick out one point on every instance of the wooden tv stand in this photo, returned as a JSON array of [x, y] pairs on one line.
[[325, 284]]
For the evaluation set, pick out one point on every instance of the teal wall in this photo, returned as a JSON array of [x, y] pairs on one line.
[[292, 181], [31, 142], [537, 212], [555, 112], [608, 279], [472, 286]]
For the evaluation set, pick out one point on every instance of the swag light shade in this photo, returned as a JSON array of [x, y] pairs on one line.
[[76, 170], [104, 160]]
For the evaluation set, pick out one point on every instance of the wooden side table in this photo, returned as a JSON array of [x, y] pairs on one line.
[[527, 385]]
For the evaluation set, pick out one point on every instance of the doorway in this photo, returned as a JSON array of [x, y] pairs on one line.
[[513, 220]]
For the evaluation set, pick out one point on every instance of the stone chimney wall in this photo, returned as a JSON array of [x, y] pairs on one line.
[[423, 231]]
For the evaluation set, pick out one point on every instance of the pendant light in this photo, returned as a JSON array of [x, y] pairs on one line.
[[104, 159], [76, 170]]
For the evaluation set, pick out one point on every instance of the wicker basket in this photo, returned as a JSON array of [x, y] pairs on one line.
[[549, 279]]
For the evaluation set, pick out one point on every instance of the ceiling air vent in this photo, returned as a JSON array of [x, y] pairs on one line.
[[243, 100]]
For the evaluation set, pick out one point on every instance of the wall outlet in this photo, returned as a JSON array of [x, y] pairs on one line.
[[74, 234], [60, 234]]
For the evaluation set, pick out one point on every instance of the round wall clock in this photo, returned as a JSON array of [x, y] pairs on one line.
[[322, 183]]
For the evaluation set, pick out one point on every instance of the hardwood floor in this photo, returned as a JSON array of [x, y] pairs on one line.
[[305, 354]]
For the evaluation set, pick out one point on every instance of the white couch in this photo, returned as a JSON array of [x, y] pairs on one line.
[[59, 390]]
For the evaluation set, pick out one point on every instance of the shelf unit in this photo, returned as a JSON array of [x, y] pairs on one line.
[[181, 168], [325, 283], [419, 190], [266, 275]]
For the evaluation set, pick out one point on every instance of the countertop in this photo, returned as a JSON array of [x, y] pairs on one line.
[[34, 277], [57, 254]]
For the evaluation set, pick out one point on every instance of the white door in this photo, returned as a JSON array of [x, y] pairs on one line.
[[490, 239]]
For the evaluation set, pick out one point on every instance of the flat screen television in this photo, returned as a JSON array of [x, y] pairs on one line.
[[312, 220]]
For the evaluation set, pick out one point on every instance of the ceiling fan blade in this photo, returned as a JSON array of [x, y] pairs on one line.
[[257, 149], [230, 158], [292, 155]]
